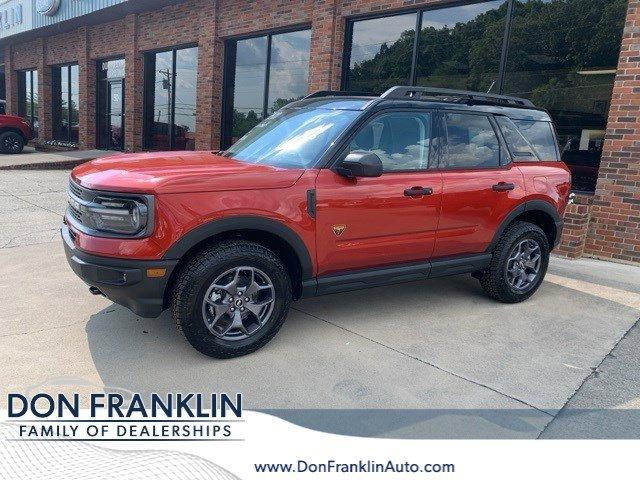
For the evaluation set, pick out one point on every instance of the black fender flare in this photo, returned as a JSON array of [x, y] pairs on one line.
[[228, 224], [529, 206]]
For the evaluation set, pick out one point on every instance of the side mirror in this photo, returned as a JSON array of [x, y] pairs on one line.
[[360, 164]]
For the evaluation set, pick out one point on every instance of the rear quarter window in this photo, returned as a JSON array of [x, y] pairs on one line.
[[537, 135]]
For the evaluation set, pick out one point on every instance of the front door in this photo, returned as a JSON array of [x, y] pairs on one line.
[[373, 222], [110, 115]]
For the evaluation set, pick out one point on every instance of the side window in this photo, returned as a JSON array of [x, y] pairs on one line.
[[519, 146], [471, 142], [541, 137], [400, 139]]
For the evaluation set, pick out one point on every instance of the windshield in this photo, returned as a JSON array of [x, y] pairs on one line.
[[292, 138]]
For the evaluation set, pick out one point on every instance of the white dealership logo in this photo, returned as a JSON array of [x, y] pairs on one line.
[[47, 7]]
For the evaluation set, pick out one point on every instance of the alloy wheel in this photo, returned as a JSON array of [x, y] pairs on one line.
[[238, 303], [523, 265]]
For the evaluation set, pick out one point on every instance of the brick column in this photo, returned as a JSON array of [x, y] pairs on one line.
[[134, 87], [45, 109], [87, 92], [615, 221], [209, 87], [11, 81], [576, 227], [327, 32]]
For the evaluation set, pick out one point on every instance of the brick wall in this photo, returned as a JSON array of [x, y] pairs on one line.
[[576, 227], [615, 216]]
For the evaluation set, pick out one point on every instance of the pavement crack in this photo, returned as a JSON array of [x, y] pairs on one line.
[[425, 362], [595, 372], [42, 330], [34, 204]]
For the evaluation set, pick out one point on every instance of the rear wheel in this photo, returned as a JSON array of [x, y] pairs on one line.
[[519, 264], [11, 142], [231, 299]]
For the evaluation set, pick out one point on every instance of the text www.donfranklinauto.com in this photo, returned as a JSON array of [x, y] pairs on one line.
[[361, 466]]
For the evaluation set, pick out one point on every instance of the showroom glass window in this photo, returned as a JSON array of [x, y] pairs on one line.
[[65, 91], [263, 74], [28, 97], [460, 47], [380, 53], [170, 99], [110, 111], [561, 54]]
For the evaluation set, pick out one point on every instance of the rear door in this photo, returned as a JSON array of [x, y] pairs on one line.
[[480, 183], [392, 219]]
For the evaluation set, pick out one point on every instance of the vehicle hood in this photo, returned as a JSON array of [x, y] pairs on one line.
[[179, 172]]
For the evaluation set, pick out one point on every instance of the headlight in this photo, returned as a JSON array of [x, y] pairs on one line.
[[116, 215], [97, 213]]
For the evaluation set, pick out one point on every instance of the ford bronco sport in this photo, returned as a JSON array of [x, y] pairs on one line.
[[331, 193]]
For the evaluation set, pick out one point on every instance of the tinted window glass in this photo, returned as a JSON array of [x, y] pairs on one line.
[[460, 46], [400, 139], [28, 97], [563, 55], [248, 89], [381, 51], [471, 142], [65, 86], [519, 146], [289, 68], [270, 72], [171, 99], [292, 138], [540, 136], [184, 136]]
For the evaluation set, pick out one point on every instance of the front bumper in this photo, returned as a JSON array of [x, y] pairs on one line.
[[124, 282]]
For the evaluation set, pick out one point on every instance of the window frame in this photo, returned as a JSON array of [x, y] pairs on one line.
[[149, 93], [343, 150], [504, 155], [25, 77], [419, 11], [229, 75], [57, 102]]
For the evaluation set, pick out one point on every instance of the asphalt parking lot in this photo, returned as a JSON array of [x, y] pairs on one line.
[[438, 344]]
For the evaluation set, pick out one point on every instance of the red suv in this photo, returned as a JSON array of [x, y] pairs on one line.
[[331, 193]]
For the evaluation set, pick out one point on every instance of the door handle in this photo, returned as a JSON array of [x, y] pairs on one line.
[[418, 191], [503, 187]]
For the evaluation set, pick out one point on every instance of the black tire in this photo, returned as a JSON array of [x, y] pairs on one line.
[[195, 278], [494, 279], [11, 143]]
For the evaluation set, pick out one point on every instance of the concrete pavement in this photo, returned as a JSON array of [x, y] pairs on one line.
[[438, 344]]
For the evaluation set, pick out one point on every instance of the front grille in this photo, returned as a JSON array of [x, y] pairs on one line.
[[75, 188], [77, 194]]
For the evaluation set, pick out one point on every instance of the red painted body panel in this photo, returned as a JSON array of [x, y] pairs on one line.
[[472, 211], [179, 172], [15, 122], [383, 226]]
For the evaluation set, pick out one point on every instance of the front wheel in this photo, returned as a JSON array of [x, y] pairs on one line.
[[231, 299], [11, 142], [519, 264]]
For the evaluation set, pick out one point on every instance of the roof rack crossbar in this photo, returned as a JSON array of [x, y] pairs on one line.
[[455, 96]]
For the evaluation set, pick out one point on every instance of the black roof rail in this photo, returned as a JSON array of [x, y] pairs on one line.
[[455, 96], [336, 93]]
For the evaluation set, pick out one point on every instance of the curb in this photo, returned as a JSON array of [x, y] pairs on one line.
[[57, 165]]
